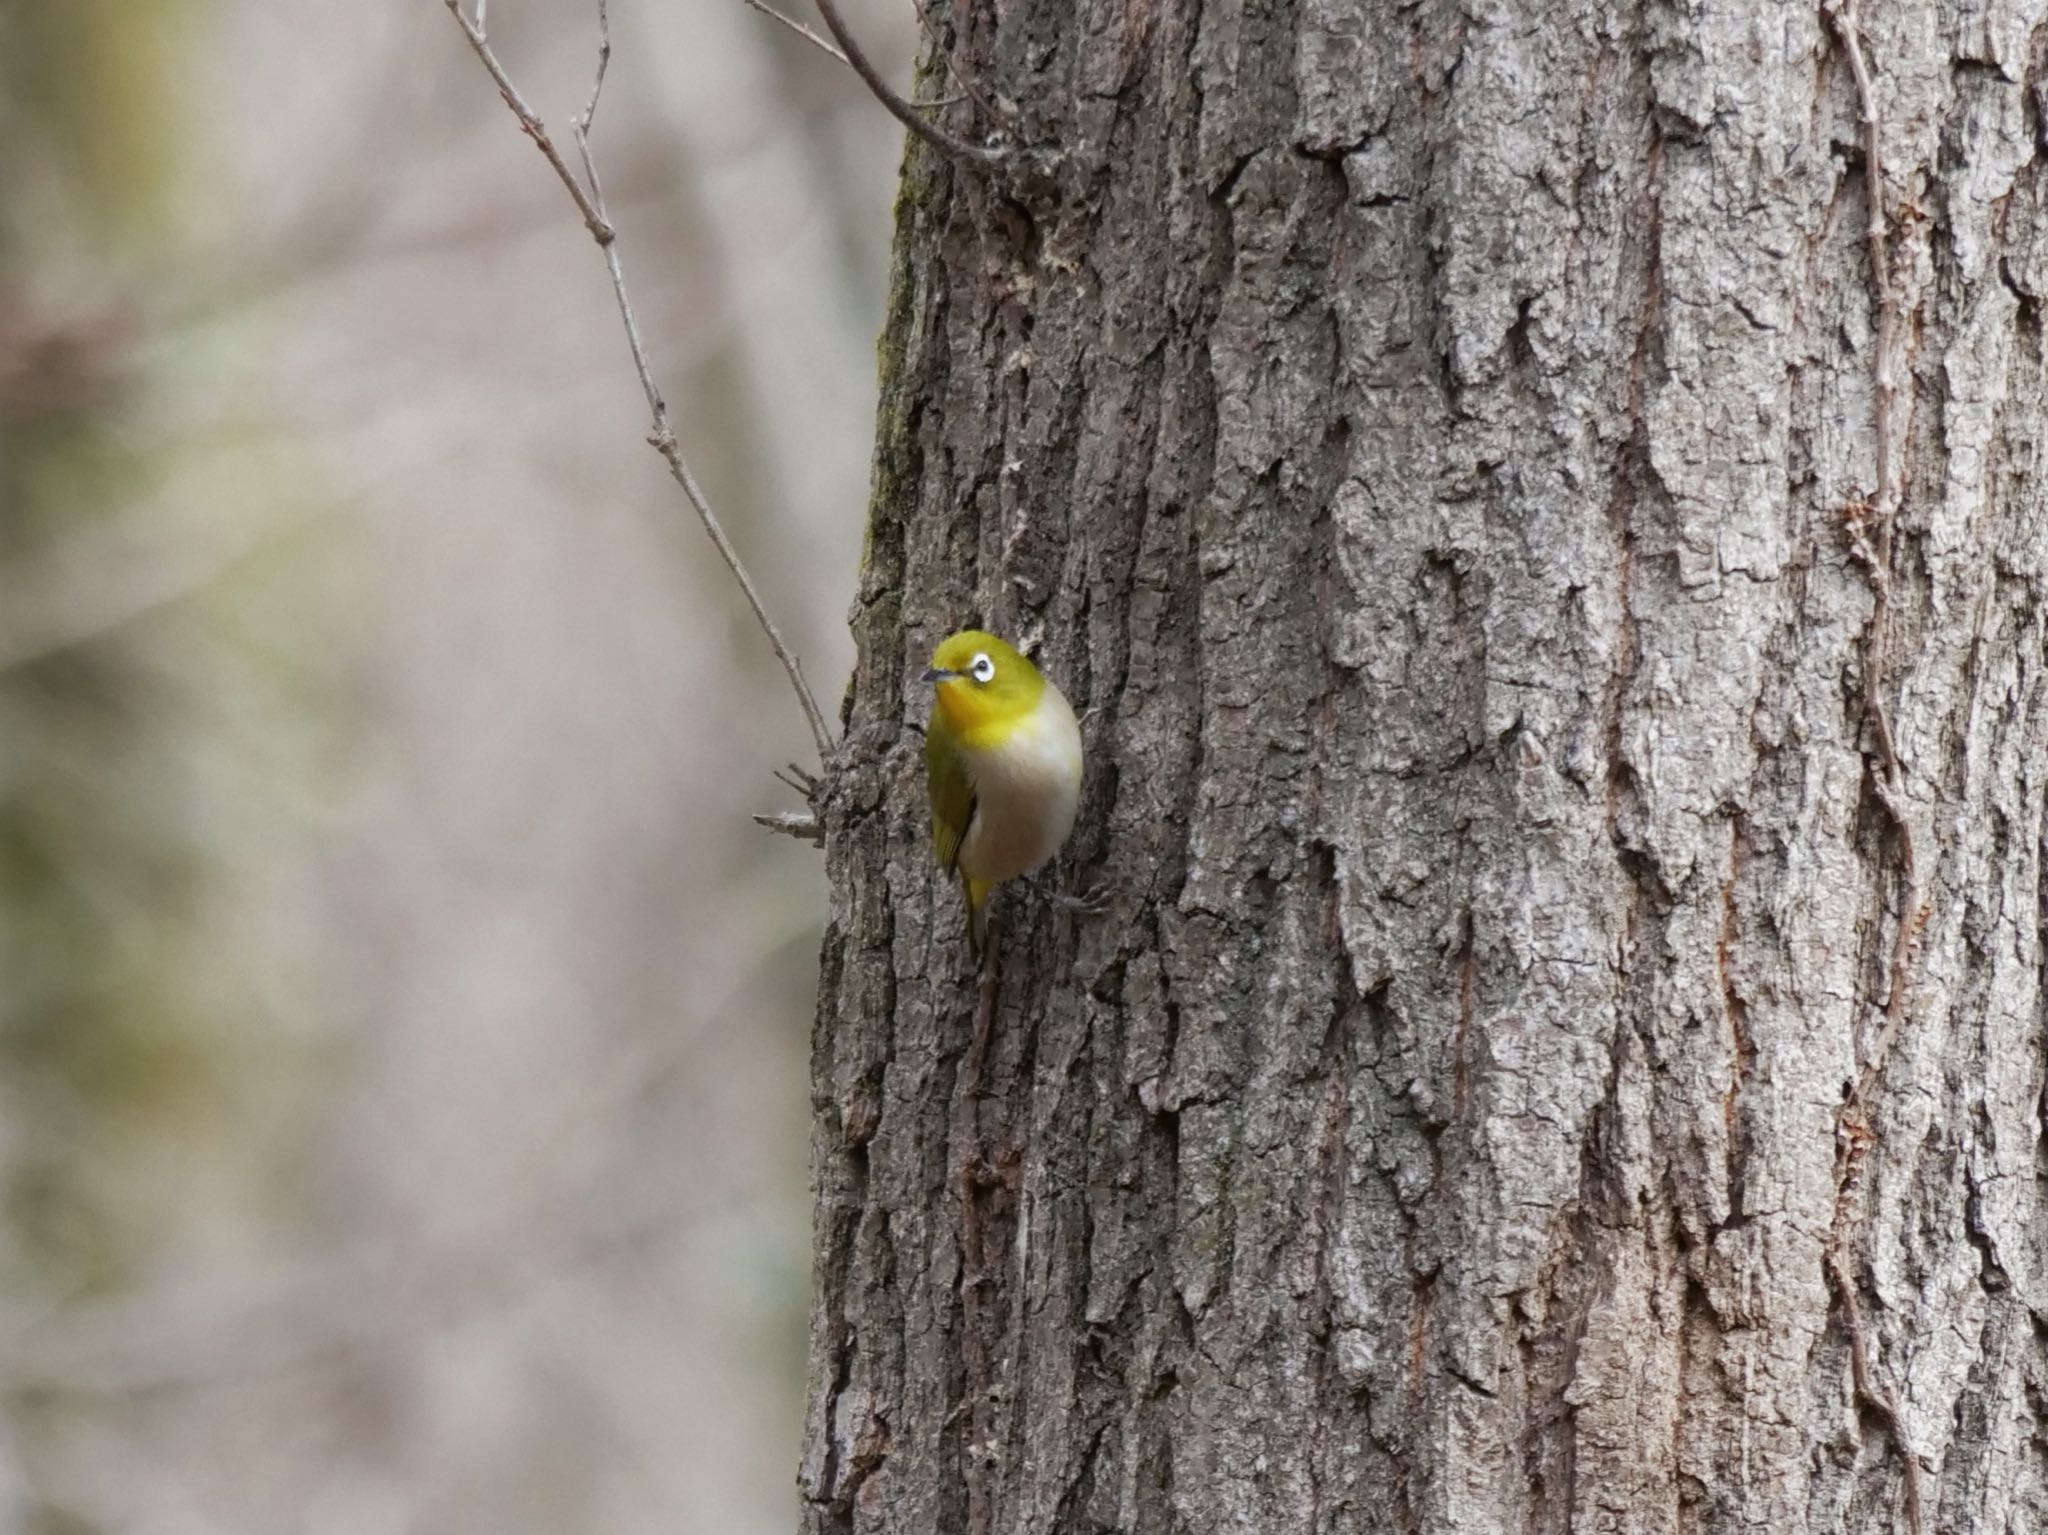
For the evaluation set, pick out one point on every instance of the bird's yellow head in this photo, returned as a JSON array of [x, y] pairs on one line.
[[982, 684]]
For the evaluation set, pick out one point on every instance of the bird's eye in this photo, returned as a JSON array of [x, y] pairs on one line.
[[982, 669]]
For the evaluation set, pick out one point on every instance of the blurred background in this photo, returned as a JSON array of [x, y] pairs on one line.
[[402, 1027]]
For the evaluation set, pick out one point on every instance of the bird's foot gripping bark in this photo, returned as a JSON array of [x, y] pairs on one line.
[[1092, 902]]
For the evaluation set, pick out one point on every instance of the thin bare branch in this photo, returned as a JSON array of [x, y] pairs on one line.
[[980, 155], [661, 434], [799, 29], [826, 47], [604, 62], [531, 124]]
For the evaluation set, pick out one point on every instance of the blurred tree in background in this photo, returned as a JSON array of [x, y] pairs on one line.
[[109, 1029], [403, 1026]]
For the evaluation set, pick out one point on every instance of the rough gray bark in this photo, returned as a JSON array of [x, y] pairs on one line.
[[1433, 444]]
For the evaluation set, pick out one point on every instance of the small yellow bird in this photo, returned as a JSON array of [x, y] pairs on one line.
[[1002, 759]]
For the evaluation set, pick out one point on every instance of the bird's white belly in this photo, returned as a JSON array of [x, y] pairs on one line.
[[1026, 793]]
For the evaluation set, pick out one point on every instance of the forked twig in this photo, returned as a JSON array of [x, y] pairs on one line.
[[590, 204], [593, 220]]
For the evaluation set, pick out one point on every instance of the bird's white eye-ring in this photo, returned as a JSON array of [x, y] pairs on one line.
[[982, 669]]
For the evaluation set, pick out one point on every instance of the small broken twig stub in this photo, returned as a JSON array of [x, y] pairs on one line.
[[804, 825]]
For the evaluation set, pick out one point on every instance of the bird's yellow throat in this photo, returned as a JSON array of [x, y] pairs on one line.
[[982, 717]]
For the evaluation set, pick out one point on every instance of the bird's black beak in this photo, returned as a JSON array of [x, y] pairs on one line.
[[937, 674]]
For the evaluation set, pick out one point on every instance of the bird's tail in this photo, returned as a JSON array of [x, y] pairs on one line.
[[977, 914]]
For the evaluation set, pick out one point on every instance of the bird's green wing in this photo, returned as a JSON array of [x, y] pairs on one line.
[[952, 794]]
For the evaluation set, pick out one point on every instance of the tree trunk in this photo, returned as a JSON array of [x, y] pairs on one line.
[[1566, 1048]]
